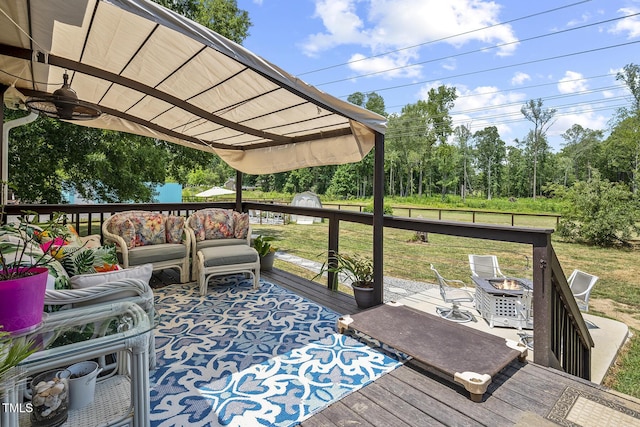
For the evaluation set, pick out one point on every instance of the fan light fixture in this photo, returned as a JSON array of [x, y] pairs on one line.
[[63, 104]]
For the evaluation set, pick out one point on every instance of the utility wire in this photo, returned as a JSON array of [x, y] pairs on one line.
[[446, 38], [484, 49], [503, 67]]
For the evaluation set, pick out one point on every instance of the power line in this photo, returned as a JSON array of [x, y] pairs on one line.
[[484, 49], [446, 38], [471, 73]]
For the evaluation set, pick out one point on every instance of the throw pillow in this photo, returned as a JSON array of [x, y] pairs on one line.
[[175, 228], [150, 228], [123, 227], [240, 225], [142, 272], [80, 260], [217, 223], [195, 224]]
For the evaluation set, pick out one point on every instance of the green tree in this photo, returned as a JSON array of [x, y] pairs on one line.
[[344, 183], [630, 75], [439, 125], [222, 16], [622, 152], [536, 142], [48, 157], [515, 182], [599, 212], [622, 148], [581, 149], [462, 136], [490, 152], [446, 160]]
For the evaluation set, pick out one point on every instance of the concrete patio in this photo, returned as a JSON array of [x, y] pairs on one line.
[[608, 335]]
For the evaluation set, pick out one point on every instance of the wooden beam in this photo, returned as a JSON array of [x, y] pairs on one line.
[[378, 220]]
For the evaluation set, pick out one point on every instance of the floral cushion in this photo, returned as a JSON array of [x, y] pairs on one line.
[[150, 228], [139, 228], [175, 228], [81, 260], [240, 225], [123, 227], [214, 224], [68, 235]]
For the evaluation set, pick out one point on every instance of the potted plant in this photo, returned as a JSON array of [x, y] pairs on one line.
[[356, 269], [24, 272], [265, 251]]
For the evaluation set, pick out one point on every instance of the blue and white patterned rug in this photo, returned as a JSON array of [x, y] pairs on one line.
[[244, 357]]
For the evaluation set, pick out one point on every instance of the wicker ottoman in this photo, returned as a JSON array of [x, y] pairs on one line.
[[215, 261]]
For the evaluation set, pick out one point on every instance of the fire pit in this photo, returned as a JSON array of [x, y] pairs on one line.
[[506, 284], [497, 298]]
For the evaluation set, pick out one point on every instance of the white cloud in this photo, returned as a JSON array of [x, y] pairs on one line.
[[484, 106], [387, 66], [584, 18], [572, 82], [258, 2], [519, 78], [628, 26], [386, 25], [584, 117]]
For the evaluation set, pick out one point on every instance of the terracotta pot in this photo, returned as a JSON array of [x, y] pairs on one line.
[[22, 301], [363, 295]]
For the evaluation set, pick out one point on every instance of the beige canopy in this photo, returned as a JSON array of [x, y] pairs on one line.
[[152, 72]]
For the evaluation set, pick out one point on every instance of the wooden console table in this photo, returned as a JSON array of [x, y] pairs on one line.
[[121, 398]]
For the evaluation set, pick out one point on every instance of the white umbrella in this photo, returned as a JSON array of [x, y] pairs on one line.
[[214, 191]]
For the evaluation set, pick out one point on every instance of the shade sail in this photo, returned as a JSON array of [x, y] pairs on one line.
[[214, 191], [155, 73]]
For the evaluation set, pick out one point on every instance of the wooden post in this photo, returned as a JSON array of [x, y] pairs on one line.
[[378, 220], [238, 191], [334, 236], [542, 299]]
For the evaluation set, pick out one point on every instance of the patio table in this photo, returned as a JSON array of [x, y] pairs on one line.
[[120, 398]]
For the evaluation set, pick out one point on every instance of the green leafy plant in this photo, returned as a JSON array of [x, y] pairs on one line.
[[357, 269], [599, 213], [17, 257], [262, 245], [12, 351]]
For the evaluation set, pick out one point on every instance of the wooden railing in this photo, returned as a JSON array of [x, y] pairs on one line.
[[561, 337]]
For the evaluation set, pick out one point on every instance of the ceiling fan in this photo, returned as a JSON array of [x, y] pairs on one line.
[[63, 104]]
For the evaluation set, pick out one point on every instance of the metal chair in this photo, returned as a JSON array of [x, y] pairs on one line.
[[485, 266], [524, 311], [454, 296], [581, 284]]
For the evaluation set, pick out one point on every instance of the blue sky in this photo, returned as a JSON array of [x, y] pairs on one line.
[[498, 54]]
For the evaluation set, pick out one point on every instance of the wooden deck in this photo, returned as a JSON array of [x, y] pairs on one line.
[[523, 394]]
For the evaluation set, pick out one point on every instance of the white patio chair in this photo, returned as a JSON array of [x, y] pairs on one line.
[[524, 311], [485, 266], [581, 284], [454, 296]]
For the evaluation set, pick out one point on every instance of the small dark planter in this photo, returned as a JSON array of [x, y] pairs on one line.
[[266, 262], [363, 295]]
